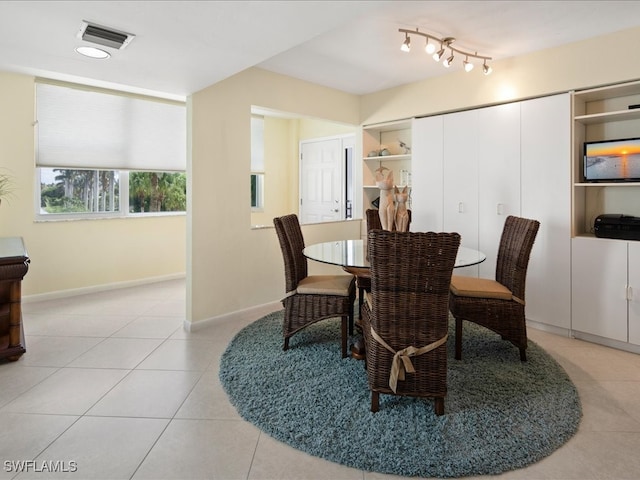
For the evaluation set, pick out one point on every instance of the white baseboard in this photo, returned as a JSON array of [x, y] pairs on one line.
[[99, 288], [607, 342], [563, 332], [256, 312]]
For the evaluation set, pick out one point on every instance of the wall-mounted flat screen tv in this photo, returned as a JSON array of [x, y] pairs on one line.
[[612, 160]]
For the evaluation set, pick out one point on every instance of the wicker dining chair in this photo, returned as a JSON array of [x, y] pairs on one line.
[[311, 298], [498, 304], [405, 318]]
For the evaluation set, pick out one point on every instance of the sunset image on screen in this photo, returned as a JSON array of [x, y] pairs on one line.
[[612, 160]]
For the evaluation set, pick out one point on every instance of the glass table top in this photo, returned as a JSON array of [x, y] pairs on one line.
[[352, 253]]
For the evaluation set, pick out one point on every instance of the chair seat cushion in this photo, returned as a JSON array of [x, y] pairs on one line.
[[478, 287], [362, 272], [326, 285]]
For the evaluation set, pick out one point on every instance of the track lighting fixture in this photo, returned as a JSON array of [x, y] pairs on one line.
[[406, 45], [444, 44]]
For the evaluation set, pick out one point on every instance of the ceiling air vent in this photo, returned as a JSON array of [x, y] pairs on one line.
[[105, 36]]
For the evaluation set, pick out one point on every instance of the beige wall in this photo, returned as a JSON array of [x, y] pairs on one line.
[[75, 256], [230, 266], [280, 165]]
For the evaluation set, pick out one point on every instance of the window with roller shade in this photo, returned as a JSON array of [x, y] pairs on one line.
[[257, 163], [101, 153]]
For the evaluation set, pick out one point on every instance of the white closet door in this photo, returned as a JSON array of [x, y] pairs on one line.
[[546, 197], [427, 177], [598, 290], [461, 179], [499, 177], [634, 293]]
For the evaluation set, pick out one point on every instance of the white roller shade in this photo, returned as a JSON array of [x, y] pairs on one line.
[[257, 143], [88, 129]]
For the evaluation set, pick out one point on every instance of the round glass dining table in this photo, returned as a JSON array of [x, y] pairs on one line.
[[352, 253]]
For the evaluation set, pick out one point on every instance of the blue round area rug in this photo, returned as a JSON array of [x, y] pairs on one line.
[[500, 413]]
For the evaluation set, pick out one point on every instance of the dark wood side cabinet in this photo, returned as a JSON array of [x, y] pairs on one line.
[[14, 263]]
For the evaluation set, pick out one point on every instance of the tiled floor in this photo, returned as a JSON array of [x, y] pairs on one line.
[[112, 386]]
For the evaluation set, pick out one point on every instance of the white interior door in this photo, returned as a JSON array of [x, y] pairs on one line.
[[321, 181]]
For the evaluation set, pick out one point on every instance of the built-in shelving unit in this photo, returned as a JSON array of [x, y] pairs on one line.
[[603, 113], [604, 271], [386, 137]]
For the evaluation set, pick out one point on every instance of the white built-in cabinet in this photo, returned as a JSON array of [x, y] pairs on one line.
[[634, 296], [499, 165], [545, 132], [472, 169], [460, 197], [599, 294]]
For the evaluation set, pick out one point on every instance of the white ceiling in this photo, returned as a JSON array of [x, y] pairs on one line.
[[183, 46]]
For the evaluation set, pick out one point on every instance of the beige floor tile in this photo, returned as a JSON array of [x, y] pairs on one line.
[[124, 353], [16, 379], [23, 437], [94, 325], [206, 438], [171, 308], [69, 391], [602, 410], [59, 351], [151, 327], [59, 305], [588, 456], [201, 449], [194, 355], [208, 400], [147, 393], [595, 362], [625, 395], [108, 448], [111, 307], [274, 459]]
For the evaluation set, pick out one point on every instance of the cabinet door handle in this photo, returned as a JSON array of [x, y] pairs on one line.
[[629, 292], [460, 207], [500, 209]]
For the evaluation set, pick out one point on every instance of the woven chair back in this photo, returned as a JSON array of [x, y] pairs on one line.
[[410, 280], [516, 242], [292, 245]]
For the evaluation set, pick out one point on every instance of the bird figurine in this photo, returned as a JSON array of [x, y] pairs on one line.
[[407, 149]]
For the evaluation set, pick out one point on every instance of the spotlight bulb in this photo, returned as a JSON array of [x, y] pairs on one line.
[[430, 48], [486, 69], [468, 66], [438, 55]]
